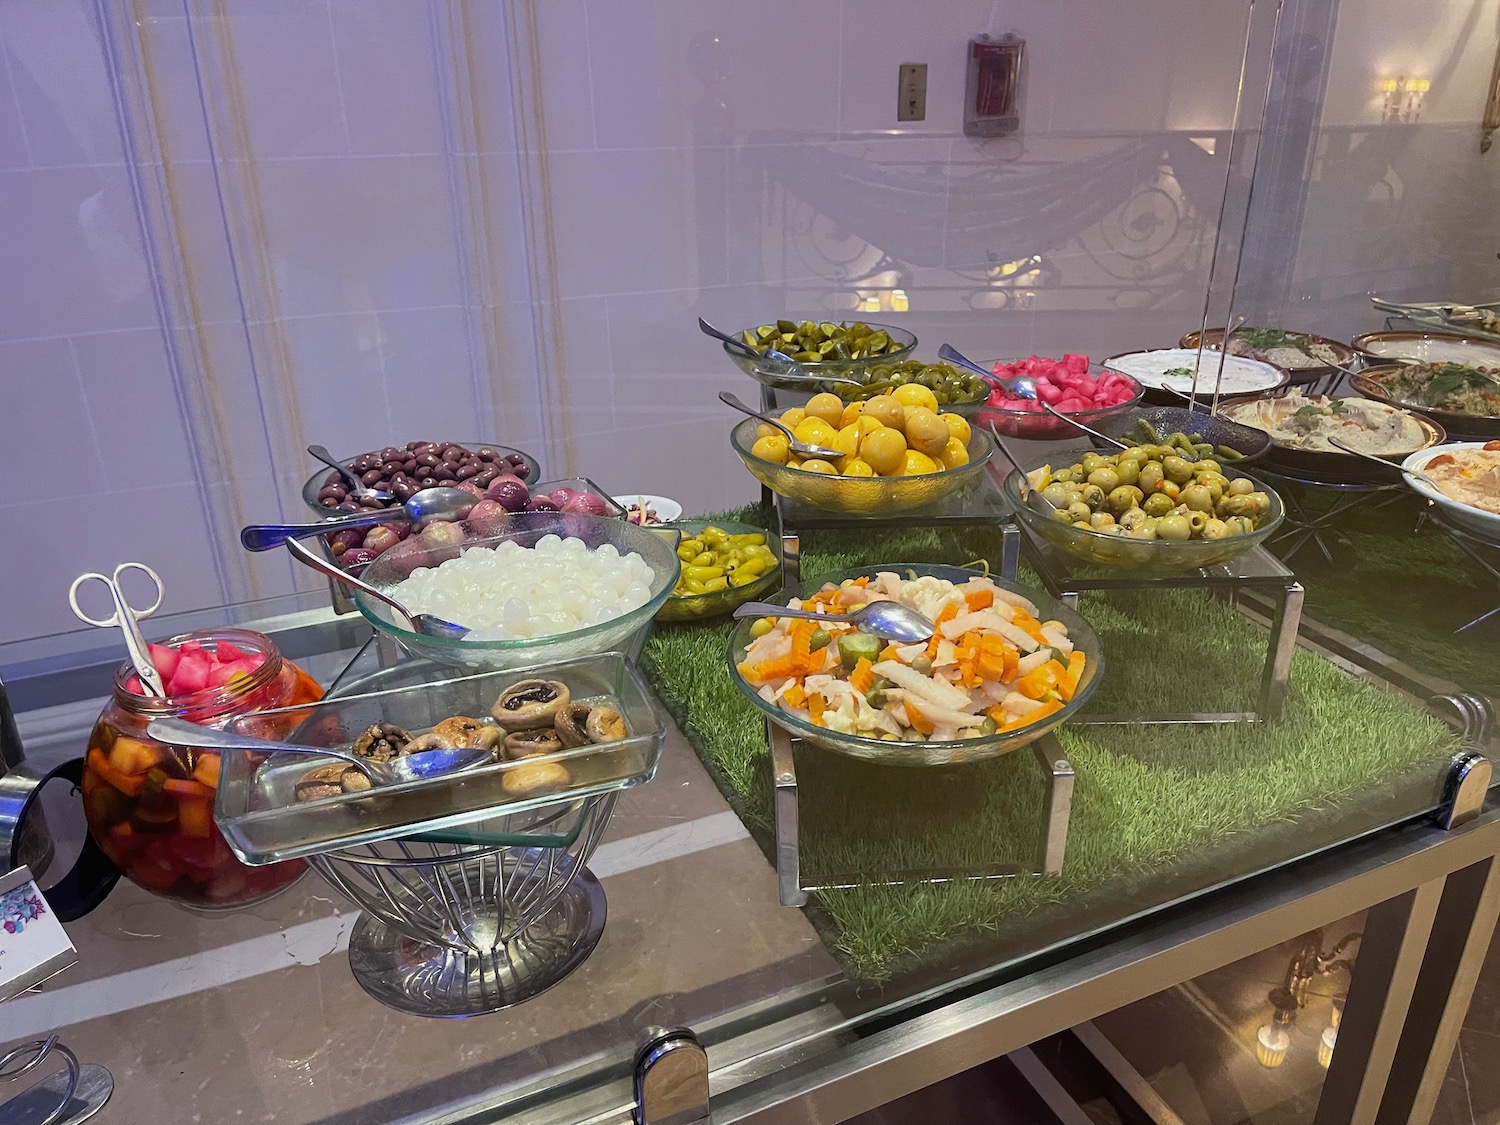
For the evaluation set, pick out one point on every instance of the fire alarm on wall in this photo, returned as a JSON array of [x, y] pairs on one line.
[[992, 92]]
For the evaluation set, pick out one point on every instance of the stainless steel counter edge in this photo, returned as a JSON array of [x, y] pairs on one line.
[[1172, 947], [804, 1080]]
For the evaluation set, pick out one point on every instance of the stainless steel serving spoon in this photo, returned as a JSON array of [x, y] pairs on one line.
[[408, 767], [785, 367], [1034, 499], [1021, 386], [357, 488], [429, 504], [885, 619], [1076, 424], [800, 448], [424, 623], [1383, 463]]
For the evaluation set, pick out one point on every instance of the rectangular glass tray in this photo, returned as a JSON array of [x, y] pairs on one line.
[[263, 823]]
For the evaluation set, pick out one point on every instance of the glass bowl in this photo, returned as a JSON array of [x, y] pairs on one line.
[[658, 546], [875, 385], [838, 369], [264, 822], [873, 496], [360, 536], [1138, 554], [929, 753], [1038, 425], [315, 483], [700, 607]]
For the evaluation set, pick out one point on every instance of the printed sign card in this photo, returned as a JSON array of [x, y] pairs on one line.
[[33, 944]]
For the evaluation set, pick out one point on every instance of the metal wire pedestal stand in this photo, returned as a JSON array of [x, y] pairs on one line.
[[65, 1097], [463, 929]]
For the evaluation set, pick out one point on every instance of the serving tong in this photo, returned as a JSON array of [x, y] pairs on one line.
[[1467, 319]]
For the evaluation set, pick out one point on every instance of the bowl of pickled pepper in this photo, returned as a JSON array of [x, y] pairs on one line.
[[724, 565]]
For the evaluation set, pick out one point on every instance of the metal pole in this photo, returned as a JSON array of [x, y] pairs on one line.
[[1455, 952], [1380, 992]]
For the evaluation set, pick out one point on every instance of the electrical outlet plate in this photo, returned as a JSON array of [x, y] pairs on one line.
[[912, 93]]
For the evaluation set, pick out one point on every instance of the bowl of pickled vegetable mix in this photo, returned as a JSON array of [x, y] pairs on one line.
[[724, 565], [837, 348], [1004, 667]]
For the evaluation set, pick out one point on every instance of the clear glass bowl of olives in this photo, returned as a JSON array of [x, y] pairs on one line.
[[724, 565], [830, 348], [957, 392], [1146, 508]]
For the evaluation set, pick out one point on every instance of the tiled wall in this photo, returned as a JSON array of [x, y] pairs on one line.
[[363, 221]]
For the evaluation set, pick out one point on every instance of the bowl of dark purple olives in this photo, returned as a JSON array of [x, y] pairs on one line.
[[401, 471], [504, 484]]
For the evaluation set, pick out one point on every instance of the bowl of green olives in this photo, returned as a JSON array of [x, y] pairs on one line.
[[957, 392], [828, 348], [724, 565], [1145, 508]]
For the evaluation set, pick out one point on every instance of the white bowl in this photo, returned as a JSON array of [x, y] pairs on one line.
[[1483, 523], [665, 507], [1242, 375]]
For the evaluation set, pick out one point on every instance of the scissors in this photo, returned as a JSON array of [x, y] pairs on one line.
[[125, 617]]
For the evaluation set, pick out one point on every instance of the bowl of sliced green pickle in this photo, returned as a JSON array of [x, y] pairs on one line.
[[956, 391], [837, 349]]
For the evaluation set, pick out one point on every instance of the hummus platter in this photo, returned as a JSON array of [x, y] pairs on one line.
[[1470, 476], [1467, 476], [1301, 425]]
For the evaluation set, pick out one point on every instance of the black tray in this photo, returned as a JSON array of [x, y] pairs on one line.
[[1248, 440]]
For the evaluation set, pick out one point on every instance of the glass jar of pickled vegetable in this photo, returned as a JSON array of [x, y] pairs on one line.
[[150, 806]]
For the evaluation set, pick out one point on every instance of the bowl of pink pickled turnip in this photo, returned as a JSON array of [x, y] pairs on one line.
[[1070, 385]]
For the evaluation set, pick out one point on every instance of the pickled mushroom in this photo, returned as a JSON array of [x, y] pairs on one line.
[[530, 704]]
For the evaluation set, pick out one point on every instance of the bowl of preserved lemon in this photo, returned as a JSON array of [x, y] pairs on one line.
[[897, 452], [724, 565]]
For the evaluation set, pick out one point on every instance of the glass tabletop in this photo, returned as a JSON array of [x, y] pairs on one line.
[[1062, 572], [258, 1007]]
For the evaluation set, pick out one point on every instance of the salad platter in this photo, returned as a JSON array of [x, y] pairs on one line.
[[1463, 398]]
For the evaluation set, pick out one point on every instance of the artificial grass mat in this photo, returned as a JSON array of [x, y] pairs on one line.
[[1158, 812], [1406, 590]]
